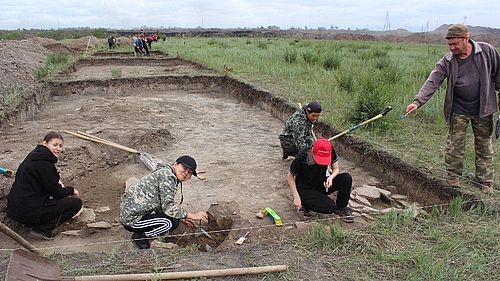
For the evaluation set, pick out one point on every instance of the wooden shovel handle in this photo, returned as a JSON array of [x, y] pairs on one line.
[[101, 141], [182, 274]]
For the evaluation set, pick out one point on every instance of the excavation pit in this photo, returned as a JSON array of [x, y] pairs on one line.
[[230, 127]]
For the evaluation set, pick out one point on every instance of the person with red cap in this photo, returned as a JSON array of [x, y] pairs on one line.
[[148, 208], [311, 187]]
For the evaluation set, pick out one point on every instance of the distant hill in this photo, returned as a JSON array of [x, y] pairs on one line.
[[473, 30]]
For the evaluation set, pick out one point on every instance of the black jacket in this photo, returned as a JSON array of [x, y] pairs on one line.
[[36, 181]]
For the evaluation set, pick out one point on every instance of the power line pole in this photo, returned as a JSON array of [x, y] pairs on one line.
[[387, 23], [465, 18]]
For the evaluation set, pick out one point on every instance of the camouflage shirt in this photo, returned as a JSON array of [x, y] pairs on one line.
[[297, 131], [154, 192]]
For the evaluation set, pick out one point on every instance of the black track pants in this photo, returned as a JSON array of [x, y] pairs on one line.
[[316, 199], [153, 225], [57, 211]]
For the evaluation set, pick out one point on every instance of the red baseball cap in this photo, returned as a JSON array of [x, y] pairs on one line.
[[322, 151]]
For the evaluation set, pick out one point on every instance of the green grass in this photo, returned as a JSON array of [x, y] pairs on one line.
[[55, 63], [353, 81], [447, 244]]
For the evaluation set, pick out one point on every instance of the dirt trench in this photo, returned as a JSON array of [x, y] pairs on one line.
[[169, 107]]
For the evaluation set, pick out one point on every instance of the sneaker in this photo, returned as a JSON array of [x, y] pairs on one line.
[[305, 212], [141, 241], [345, 215], [42, 234]]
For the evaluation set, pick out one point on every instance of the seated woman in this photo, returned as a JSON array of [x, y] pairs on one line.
[[38, 198]]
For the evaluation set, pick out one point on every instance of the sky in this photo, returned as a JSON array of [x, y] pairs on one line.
[[415, 15]]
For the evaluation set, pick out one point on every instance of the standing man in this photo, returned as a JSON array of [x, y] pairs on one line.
[[310, 186], [111, 42], [297, 133], [148, 209], [472, 70]]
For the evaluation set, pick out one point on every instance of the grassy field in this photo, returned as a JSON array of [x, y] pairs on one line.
[[352, 80]]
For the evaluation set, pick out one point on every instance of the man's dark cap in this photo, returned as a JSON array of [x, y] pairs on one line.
[[188, 162], [457, 31], [314, 106]]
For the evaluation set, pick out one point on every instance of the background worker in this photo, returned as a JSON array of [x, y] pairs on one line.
[[148, 209], [38, 198], [138, 45], [297, 133], [311, 187], [111, 41], [150, 39], [144, 43], [472, 70]]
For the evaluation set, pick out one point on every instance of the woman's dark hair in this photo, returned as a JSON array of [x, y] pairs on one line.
[[52, 135]]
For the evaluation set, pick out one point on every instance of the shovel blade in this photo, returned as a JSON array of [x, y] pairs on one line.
[[150, 161], [24, 265]]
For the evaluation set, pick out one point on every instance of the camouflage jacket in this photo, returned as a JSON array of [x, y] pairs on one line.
[[154, 192], [297, 130]]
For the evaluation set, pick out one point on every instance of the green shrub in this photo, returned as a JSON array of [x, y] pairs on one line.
[[331, 62], [345, 80], [262, 45], [370, 99], [13, 94], [310, 57], [57, 59], [290, 55], [41, 73], [382, 63]]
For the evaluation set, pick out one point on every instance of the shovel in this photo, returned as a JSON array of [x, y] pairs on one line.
[[27, 266], [386, 110], [24, 265], [150, 161]]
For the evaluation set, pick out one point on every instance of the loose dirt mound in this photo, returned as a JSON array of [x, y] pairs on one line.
[[50, 44], [123, 40], [80, 44], [19, 61]]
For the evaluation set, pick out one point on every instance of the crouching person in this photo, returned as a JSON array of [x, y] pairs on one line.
[[311, 186], [38, 198], [148, 209]]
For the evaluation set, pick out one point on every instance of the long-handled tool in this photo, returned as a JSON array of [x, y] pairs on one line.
[[150, 161], [24, 265], [386, 110], [18, 238]]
